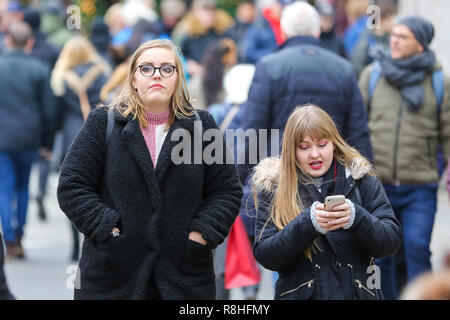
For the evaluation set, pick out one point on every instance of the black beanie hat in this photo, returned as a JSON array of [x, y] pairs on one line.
[[423, 29]]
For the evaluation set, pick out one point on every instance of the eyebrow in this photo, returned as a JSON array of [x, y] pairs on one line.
[[162, 63]]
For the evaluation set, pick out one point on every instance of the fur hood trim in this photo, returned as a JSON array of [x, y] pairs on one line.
[[266, 173]]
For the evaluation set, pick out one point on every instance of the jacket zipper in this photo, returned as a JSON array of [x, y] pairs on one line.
[[360, 286], [399, 120], [309, 283]]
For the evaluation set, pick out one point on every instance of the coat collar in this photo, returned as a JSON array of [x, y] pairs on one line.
[[299, 40]]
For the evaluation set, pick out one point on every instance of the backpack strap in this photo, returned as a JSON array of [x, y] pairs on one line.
[[109, 127], [373, 80], [229, 117], [438, 88]]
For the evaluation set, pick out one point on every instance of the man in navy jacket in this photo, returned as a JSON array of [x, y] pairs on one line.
[[301, 72], [27, 123]]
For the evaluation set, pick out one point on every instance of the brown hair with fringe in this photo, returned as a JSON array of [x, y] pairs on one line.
[[307, 120]]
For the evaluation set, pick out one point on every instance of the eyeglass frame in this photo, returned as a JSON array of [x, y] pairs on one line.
[[154, 69]]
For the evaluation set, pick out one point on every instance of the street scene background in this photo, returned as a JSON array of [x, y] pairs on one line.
[[48, 273]]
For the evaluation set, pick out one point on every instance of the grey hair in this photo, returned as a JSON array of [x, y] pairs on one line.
[[300, 19]]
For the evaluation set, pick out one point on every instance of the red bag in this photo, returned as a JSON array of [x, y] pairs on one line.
[[241, 269]]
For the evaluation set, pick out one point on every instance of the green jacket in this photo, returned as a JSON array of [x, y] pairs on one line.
[[405, 143]]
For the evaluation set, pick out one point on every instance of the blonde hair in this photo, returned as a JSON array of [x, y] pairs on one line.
[[77, 51], [128, 101], [308, 120]]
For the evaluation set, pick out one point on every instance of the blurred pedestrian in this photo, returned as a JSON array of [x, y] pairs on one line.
[[5, 294], [448, 181], [409, 118], [374, 38], [207, 89], [236, 84], [204, 24], [27, 126], [48, 54], [172, 11], [53, 24], [319, 252], [429, 286], [78, 70], [114, 84], [149, 223], [301, 72], [356, 11], [245, 17], [264, 35], [11, 11], [328, 38], [101, 40]]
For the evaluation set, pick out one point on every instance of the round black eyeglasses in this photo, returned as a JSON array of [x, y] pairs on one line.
[[148, 70]]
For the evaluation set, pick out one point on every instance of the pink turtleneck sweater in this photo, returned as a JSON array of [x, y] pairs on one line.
[[155, 134]]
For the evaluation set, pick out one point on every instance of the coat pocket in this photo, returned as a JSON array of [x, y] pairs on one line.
[[111, 242]]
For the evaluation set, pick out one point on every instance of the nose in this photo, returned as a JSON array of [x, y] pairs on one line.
[[157, 74], [314, 152]]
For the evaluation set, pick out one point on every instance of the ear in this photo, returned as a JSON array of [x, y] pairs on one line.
[[29, 46], [133, 83], [420, 48]]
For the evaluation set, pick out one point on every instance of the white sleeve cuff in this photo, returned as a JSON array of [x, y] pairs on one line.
[[313, 218], [352, 214]]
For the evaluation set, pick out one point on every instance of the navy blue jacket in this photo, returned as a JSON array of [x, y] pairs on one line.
[[27, 105], [301, 72], [258, 41]]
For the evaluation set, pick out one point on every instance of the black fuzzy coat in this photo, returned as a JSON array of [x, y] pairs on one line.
[[154, 209]]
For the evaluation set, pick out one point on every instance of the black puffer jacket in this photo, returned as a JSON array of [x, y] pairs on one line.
[[340, 270], [155, 209]]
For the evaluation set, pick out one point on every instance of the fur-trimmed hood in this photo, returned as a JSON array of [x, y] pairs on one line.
[[266, 174]]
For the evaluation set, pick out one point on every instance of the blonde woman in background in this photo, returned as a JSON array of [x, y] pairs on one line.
[[76, 81]]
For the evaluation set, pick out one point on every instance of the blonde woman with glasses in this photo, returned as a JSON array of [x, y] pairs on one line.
[[150, 224]]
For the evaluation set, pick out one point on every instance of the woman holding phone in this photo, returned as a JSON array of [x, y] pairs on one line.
[[321, 253]]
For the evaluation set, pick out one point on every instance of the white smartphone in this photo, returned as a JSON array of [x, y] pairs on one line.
[[332, 201]]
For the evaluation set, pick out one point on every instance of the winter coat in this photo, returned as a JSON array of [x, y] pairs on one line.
[[154, 209], [340, 269], [405, 142], [27, 105]]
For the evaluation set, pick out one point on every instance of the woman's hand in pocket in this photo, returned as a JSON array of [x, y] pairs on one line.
[[197, 237]]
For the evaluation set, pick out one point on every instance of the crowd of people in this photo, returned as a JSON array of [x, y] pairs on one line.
[[342, 94]]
